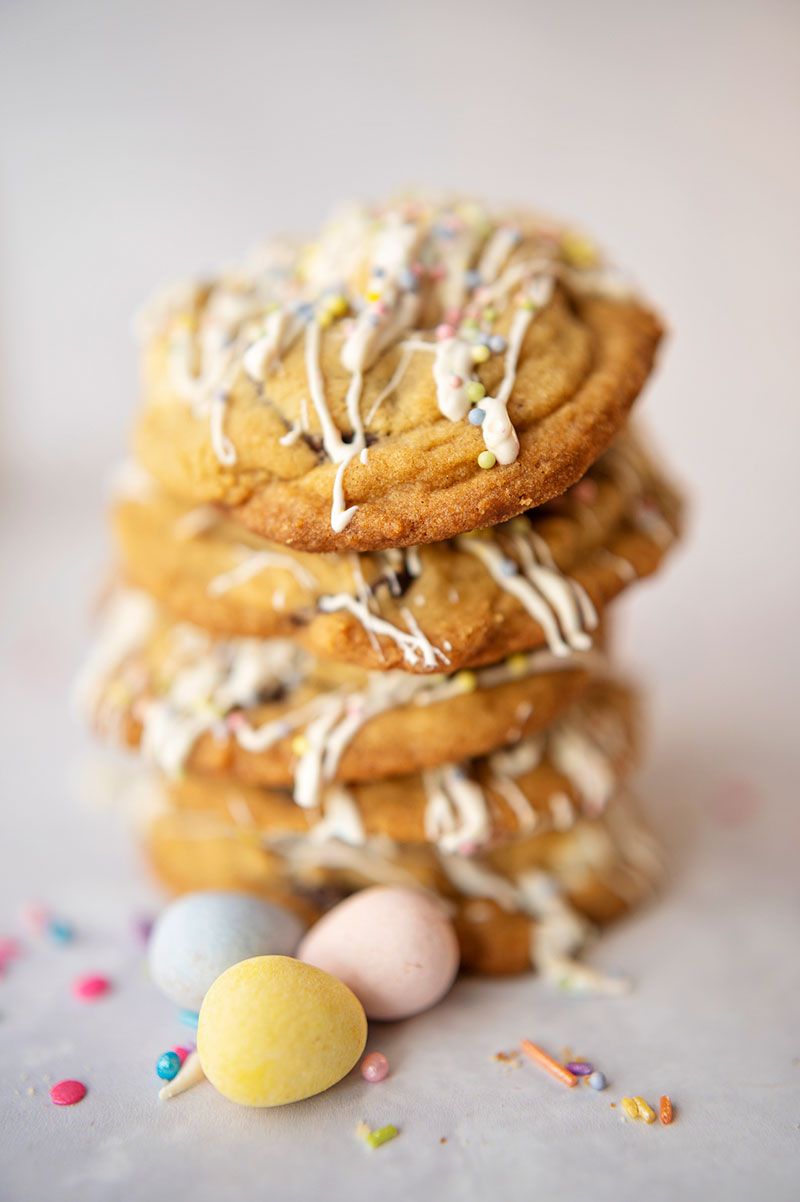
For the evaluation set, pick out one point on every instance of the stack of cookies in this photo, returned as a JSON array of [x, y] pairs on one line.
[[384, 493]]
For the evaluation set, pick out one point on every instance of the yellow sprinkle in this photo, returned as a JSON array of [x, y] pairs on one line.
[[324, 318], [578, 250], [645, 1112], [300, 745], [467, 682], [373, 294], [517, 664], [630, 1107], [338, 305], [184, 323], [480, 354]]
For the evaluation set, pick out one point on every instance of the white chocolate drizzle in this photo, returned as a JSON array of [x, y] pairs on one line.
[[554, 602], [453, 256], [415, 646], [252, 565]]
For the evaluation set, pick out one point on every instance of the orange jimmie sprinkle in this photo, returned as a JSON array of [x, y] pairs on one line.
[[546, 1062]]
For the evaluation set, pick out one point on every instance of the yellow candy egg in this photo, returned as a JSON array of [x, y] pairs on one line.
[[273, 1030]]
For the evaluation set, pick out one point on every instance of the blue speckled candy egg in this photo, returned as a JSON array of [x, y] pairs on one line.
[[202, 934]]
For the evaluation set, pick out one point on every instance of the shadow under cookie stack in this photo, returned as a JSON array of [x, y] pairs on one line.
[[384, 493]]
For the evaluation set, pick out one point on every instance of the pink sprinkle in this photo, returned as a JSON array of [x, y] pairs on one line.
[[182, 1053], [455, 381], [438, 272], [481, 294], [35, 916], [236, 720], [418, 269], [444, 331], [374, 1067], [452, 316], [67, 1093], [9, 948], [91, 987], [585, 491]]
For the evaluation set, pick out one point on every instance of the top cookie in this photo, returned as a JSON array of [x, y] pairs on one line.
[[420, 371]]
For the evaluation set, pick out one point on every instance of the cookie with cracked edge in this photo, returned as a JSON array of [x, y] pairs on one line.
[[420, 370], [503, 903], [438, 607], [264, 711]]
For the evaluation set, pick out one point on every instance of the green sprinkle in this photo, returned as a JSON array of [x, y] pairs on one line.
[[475, 391], [382, 1136], [486, 459]]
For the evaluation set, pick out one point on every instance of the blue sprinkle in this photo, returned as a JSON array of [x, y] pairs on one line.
[[379, 272], [476, 416], [508, 567], [60, 931], [168, 1066], [596, 1080], [188, 1017], [304, 311], [406, 279], [472, 278], [373, 319], [497, 343], [482, 339]]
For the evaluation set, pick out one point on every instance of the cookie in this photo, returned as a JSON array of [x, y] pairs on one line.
[[521, 905], [420, 371], [540, 783], [538, 580], [266, 712]]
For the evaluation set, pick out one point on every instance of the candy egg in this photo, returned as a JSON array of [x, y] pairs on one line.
[[393, 946], [273, 1030], [201, 934]]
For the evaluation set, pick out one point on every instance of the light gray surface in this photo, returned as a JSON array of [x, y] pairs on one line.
[[153, 137]]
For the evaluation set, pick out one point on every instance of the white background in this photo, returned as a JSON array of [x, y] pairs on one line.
[[141, 140]]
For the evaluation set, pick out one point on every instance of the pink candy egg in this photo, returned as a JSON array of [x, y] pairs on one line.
[[394, 947]]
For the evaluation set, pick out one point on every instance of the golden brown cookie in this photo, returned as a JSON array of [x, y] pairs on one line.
[[540, 783], [420, 371], [520, 905], [266, 712], [537, 579]]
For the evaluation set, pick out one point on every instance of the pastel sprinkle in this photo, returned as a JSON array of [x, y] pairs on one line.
[[189, 1018], [168, 1066], [637, 1108], [374, 1067], [10, 948], [475, 391], [300, 745], [480, 353], [60, 931], [517, 664], [466, 681], [476, 417], [509, 568], [497, 343], [443, 331], [67, 1093], [455, 381], [486, 459], [142, 926], [665, 1110], [580, 1068], [376, 1138], [91, 987], [596, 1080], [551, 1066]]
